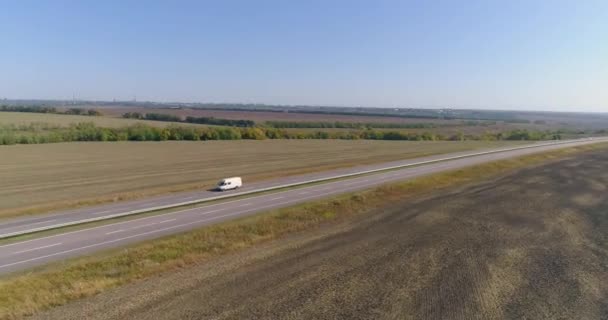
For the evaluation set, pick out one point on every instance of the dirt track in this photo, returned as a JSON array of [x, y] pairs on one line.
[[533, 245]]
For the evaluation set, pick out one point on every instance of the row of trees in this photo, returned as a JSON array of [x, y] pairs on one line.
[[40, 109], [347, 125], [141, 132], [198, 120]]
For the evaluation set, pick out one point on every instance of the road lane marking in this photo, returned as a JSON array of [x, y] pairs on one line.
[[133, 228], [113, 224], [277, 198], [139, 227], [139, 234], [214, 218], [41, 222], [102, 212], [495, 154], [401, 167], [208, 212], [38, 248], [243, 205]]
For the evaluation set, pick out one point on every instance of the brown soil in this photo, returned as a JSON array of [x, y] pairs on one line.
[[533, 245]]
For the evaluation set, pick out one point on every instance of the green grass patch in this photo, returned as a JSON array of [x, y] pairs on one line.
[[59, 283]]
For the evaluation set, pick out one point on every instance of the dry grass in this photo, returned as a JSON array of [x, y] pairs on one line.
[[39, 178], [62, 282]]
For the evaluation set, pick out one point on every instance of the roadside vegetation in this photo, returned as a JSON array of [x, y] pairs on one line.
[[57, 284]]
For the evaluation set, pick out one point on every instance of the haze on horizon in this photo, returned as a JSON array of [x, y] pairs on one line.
[[523, 55]]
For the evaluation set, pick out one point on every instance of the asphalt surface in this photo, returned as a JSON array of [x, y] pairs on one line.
[[26, 254]]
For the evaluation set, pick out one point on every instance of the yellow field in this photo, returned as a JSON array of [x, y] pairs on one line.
[[43, 177]]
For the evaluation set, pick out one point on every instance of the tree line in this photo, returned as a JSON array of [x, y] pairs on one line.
[[41, 109], [198, 120], [346, 125], [88, 131]]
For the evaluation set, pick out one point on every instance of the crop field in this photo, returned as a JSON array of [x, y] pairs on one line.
[[25, 118], [547, 120], [261, 116], [528, 245], [51, 176]]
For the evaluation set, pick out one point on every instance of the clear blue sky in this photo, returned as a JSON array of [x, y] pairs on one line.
[[511, 54]]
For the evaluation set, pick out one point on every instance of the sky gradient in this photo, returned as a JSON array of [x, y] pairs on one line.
[[529, 54]]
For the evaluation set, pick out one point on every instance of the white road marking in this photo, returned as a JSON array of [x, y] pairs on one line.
[[277, 198], [243, 205], [136, 235], [85, 230], [142, 226], [124, 222], [547, 146], [102, 212], [208, 212], [38, 248]]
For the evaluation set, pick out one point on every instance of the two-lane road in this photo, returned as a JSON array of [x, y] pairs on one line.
[[26, 254]]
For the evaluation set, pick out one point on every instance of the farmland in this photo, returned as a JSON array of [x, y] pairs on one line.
[[59, 120], [51, 176], [571, 125], [261, 116], [29, 127], [530, 244]]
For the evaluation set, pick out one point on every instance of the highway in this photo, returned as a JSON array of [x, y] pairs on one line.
[[26, 254], [52, 220]]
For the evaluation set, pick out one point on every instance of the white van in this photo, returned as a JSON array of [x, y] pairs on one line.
[[229, 184]]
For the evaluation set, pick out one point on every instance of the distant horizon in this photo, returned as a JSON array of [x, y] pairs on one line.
[[544, 55], [295, 105]]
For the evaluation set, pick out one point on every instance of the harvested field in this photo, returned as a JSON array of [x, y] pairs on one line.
[[261, 116], [52, 176], [531, 245], [445, 127], [26, 118], [570, 122]]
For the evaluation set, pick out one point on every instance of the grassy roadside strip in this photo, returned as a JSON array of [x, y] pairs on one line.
[[27, 293]]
